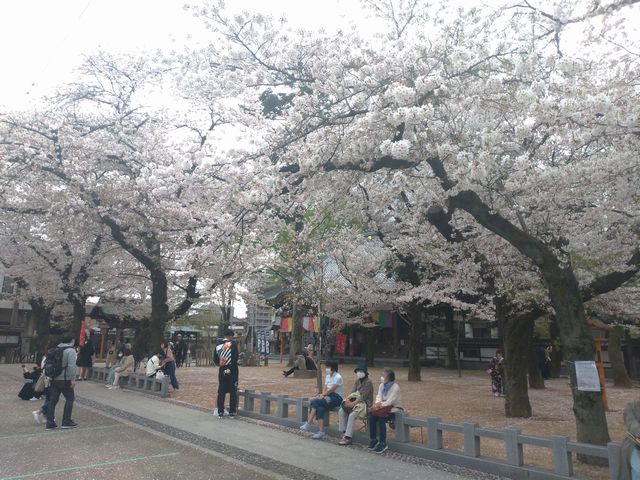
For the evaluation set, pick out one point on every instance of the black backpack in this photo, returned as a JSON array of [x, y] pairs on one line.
[[53, 363]]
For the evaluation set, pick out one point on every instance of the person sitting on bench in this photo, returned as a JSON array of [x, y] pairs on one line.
[[303, 362], [154, 364]]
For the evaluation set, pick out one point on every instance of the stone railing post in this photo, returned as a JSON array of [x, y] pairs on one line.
[[434, 434], [471, 439], [515, 454], [562, 461]]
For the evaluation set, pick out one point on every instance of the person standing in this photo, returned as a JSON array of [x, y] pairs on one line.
[[85, 358], [61, 363], [178, 351], [169, 364], [496, 371], [226, 357]]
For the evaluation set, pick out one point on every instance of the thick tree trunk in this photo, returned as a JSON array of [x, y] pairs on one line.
[[159, 309], [564, 293], [591, 422], [414, 344], [370, 347], [620, 377], [41, 312], [295, 344], [517, 331], [536, 380], [79, 313], [450, 332]]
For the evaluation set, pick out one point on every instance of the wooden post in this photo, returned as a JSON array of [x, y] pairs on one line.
[[281, 345], [600, 365], [103, 336]]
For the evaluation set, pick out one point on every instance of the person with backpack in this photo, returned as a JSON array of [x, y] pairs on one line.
[[60, 367], [226, 357]]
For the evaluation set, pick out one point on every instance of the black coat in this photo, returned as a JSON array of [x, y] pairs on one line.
[[26, 392]]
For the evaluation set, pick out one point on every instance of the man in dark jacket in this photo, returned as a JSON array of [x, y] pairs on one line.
[[64, 384], [226, 357]]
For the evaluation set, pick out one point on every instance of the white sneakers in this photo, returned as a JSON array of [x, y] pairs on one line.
[[37, 416]]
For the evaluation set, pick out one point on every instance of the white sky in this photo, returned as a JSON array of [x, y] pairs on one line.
[[42, 41]]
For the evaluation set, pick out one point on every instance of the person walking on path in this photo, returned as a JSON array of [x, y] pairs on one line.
[[226, 357], [62, 362], [85, 358], [356, 404], [169, 365], [330, 398], [388, 401]]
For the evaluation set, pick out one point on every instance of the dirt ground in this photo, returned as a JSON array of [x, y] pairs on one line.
[[440, 393]]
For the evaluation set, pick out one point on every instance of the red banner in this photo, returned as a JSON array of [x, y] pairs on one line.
[[341, 343], [81, 340]]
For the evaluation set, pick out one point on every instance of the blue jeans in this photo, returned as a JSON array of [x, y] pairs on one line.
[[321, 405], [170, 369], [112, 376], [47, 398], [373, 428]]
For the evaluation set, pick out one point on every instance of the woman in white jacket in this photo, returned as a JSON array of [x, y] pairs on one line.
[[388, 401]]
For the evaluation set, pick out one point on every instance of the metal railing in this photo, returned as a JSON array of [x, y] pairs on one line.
[[292, 411]]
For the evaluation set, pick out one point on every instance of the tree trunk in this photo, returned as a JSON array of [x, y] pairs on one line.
[[536, 380], [450, 332], [591, 422], [159, 309], [79, 313], [564, 293], [295, 343], [370, 347], [414, 343], [620, 377], [41, 312], [517, 331]]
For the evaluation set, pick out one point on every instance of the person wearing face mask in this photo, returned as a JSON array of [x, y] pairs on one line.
[[329, 398], [388, 401], [356, 404], [117, 362]]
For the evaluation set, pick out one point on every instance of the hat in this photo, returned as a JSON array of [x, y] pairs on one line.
[[362, 367]]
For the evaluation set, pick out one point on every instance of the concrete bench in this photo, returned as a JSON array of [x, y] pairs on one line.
[[304, 373], [135, 381]]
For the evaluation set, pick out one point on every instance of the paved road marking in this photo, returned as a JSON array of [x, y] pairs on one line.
[[59, 430], [93, 465]]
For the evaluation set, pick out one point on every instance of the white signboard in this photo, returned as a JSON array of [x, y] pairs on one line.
[[587, 376]]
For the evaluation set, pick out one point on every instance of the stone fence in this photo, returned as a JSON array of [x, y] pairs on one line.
[[135, 381], [290, 411]]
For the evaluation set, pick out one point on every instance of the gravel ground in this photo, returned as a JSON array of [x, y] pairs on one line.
[[440, 393]]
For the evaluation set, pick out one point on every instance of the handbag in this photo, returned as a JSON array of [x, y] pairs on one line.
[[39, 386], [381, 412]]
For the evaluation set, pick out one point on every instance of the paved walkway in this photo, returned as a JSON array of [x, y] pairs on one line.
[[144, 437]]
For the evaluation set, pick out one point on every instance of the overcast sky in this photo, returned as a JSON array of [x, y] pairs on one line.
[[42, 41]]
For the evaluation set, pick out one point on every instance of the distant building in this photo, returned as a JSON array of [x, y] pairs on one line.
[[16, 325], [260, 315]]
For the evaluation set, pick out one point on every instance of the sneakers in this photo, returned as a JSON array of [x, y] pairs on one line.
[[37, 416], [373, 444], [381, 447], [306, 426], [319, 435], [345, 441], [114, 387], [233, 415], [69, 424], [51, 426]]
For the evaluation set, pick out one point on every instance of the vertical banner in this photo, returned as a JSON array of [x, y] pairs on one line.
[[262, 342], [81, 339]]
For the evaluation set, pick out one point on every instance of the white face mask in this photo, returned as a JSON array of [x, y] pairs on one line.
[[381, 379], [120, 354], [328, 370], [360, 375]]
